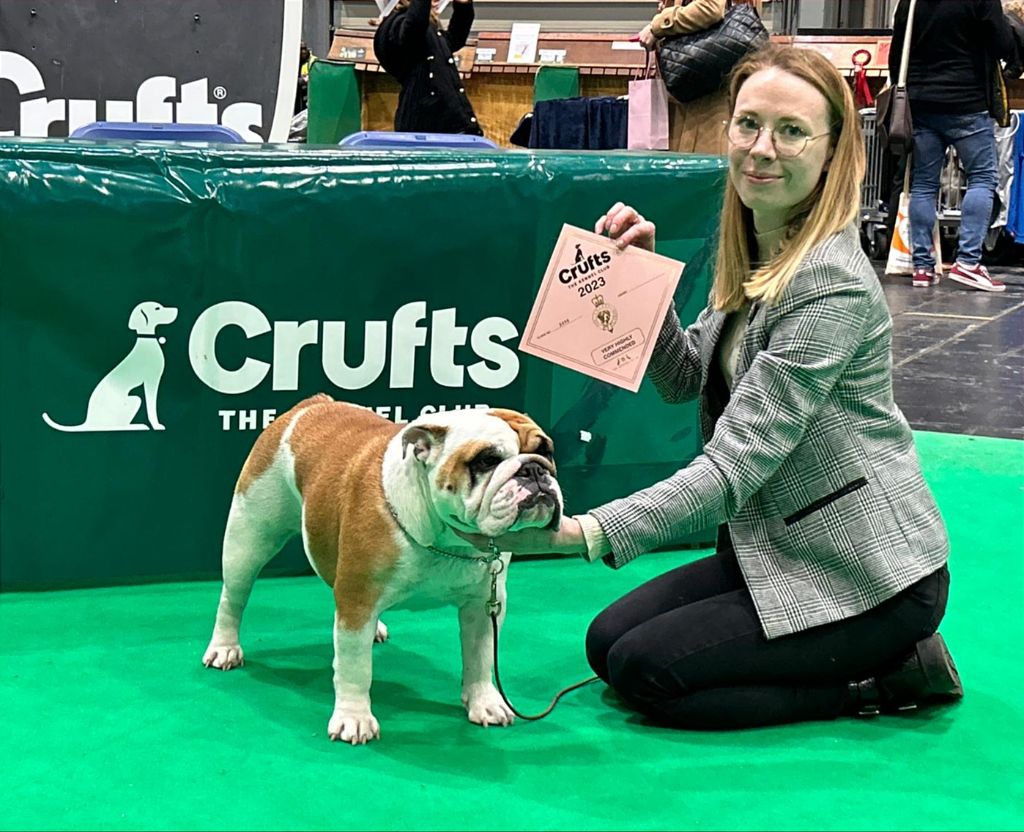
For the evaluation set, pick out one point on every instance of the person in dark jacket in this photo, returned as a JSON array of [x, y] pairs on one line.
[[413, 48], [953, 51]]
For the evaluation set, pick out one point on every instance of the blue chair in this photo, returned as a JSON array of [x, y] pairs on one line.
[[157, 132], [387, 140]]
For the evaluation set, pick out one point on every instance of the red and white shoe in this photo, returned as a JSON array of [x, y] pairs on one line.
[[923, 278], [977, 277]]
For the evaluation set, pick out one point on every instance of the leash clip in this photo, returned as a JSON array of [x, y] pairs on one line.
[[497, 567]]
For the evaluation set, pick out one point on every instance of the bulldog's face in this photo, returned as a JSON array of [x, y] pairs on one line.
[[486, 471]]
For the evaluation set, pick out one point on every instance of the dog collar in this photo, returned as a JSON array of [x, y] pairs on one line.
[[495, 553]]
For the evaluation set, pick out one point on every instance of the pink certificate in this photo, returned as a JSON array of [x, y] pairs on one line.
[[599, 309]]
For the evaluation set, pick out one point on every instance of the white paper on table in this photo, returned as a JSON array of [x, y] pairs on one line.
[[522, 43]]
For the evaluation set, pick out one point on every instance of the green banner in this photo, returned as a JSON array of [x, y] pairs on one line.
[[160, 304]]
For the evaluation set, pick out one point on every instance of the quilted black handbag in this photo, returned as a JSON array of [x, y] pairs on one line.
[[695, 64]]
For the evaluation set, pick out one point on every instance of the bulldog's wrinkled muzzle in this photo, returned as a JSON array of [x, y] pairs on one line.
[[535, 478]]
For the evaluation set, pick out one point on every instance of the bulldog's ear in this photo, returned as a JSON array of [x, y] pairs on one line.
[[423, 439]]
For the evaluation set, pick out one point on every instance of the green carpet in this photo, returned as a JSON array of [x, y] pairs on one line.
[[111, 722]]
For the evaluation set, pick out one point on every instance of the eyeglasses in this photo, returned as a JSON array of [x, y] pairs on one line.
[[789, 139]]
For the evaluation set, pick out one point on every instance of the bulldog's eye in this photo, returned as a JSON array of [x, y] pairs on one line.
[[485, 461]]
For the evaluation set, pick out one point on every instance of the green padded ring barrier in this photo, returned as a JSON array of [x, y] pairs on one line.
[[400, 281]]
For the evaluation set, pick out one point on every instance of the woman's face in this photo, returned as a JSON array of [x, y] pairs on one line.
[[770, 183]]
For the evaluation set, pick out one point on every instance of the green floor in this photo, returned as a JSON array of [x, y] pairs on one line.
[[109, 721]]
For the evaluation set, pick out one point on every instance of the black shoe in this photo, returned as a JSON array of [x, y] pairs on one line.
[[927, 674]]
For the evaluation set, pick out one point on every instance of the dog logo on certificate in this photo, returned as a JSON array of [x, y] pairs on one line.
[[604, 316]]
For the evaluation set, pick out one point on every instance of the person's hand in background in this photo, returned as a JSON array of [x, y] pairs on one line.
[[646, 37]]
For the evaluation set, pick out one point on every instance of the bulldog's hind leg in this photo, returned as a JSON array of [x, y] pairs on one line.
[[261, 520]]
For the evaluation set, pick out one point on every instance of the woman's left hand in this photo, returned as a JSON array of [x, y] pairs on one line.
[[566, 539]]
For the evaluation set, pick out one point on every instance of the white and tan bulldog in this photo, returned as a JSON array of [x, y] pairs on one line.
[[376, 504]]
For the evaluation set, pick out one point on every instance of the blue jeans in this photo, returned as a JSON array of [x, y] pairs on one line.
[[973, 136]]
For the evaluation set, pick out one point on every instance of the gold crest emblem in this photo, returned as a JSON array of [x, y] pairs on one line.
[[604, 316]]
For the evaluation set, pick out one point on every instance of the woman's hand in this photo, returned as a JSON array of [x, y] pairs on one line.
[[566, 539], [627, 227], [647, 38]]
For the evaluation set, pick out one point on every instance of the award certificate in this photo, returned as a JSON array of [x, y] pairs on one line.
[[600, 309]]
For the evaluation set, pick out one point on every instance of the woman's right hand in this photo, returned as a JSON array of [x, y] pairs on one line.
[[647, 38], [626, 227]]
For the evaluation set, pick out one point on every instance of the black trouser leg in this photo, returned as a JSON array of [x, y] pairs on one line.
[[687, 649]]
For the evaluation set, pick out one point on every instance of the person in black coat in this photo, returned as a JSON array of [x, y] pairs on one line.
[[413, 48]]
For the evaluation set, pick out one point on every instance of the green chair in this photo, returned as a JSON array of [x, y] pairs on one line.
[[556, 82], [335, 105]]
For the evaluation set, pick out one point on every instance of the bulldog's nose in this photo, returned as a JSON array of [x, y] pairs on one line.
[[533, 471]]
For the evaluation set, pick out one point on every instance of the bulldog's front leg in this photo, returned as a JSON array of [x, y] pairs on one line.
[[484, 704], [352, 720]]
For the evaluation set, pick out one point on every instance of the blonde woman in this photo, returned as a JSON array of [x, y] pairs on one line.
[[829, 580], [417, 52]]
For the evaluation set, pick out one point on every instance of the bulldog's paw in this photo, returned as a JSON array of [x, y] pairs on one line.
[[485, 706], [224, 656], [354, 726], [382, 632]]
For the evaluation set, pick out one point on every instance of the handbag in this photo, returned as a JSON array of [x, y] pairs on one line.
[[695, 64], [892, 113], [648, 112]]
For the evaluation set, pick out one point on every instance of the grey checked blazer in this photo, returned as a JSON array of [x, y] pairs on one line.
[[811, 463]]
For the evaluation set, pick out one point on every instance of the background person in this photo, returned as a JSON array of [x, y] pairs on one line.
[[953, 51], [830, 576], [413, 48], [695, 124]]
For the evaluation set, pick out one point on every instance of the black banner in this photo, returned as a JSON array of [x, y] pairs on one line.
[[232, 62]]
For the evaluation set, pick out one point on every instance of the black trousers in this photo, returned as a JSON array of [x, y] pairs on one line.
[[687, 649]]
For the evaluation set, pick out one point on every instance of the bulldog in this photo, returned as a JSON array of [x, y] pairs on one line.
[[378, 506]]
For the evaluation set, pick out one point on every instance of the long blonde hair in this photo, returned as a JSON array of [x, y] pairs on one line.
[[831, 206]]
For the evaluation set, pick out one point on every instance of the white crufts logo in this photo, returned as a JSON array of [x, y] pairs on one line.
[[110, 405], [392, 344], [157, 100]]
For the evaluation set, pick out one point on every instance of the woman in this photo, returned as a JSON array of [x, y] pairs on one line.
[[411, 45], [695, 124], [829, 578], [954, 48]]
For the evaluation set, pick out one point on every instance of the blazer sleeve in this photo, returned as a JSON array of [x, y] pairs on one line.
[[675, 366], [694, 16], [459, 25], [809, 346]]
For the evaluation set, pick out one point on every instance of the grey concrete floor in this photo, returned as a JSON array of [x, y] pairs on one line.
[[958, 354]]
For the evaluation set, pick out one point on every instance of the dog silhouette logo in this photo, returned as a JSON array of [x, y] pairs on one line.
[[111, 405]]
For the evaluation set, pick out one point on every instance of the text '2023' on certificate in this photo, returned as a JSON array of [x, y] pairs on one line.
[[599, 309]]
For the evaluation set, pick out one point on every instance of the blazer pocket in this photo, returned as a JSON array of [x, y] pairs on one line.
[[819, 504]]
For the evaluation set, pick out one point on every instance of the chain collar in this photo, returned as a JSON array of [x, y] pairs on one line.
[[487, 559]]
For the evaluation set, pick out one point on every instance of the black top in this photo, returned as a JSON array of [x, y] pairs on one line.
[[419, 56], [953, 50]]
